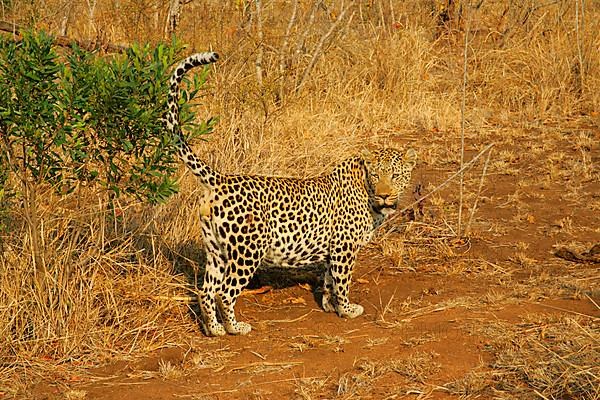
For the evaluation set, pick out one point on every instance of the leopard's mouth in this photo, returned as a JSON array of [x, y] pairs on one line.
[[385, 205]]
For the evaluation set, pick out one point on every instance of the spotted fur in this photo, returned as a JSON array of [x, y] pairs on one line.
[[251, 220]]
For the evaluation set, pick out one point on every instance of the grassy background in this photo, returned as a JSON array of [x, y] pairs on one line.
[[340, 77]]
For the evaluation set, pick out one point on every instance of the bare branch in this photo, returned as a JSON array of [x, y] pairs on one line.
[[481, 180], [311, 19], [173, 16], [319, 49], [260, 49], [284, 48], [462, 121], [65, 41]]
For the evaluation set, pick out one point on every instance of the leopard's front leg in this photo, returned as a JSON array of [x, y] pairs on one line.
[[340, 271]]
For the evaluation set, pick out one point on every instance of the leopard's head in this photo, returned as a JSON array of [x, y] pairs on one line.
[[389, 172]]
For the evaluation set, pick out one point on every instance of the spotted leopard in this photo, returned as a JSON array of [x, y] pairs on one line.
[[251, 220]]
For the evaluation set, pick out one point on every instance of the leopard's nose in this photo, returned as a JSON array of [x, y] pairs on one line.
[[384, 188]]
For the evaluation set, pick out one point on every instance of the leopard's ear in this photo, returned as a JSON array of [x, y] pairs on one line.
[[410, 158], [367, 155]]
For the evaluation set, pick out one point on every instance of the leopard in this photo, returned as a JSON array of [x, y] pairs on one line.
[[248, 221]]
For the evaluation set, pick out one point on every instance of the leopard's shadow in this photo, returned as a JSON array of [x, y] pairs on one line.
[[189, 259]]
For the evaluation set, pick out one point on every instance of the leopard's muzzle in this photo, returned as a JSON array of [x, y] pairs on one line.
[[385, 204]]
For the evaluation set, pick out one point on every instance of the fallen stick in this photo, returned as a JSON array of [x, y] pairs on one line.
[[194, 299]]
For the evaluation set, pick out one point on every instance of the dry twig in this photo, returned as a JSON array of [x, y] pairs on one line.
[[474, 208], [66, 41], [468, 165], [319, 49], [462, 124]]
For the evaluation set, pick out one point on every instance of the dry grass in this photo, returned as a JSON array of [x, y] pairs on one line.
[[309, 388], [99, 280], [378, 78], [214, 359], [364, 379], [305, 342], [543, 357]]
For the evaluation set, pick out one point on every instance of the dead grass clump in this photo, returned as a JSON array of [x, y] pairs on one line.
[[213, 359], [305, 342], [169, 371], [309, 388], [105, 291], [74, 394], [399, 315], [423, 243], [523, 260], [543, 285], [416, 368], [361, 380], [549, 357], [475, 383]]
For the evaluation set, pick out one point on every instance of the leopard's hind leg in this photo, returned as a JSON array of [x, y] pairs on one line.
[[327, 300], [233, 285], [213, 277], [245, 253]]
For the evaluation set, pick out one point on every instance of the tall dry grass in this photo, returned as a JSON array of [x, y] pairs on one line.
[[385, 72]]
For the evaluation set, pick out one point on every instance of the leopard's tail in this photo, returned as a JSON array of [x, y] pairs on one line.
[[187, 155]]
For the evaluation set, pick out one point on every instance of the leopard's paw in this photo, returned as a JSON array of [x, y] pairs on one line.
[[239, 328], [350, 311], [215, 329], [327, 304]]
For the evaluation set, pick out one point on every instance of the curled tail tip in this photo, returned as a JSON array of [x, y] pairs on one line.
[[214, 55], [190, 62], [205, 58]]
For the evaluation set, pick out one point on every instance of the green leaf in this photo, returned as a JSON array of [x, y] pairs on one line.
[[83, 117]]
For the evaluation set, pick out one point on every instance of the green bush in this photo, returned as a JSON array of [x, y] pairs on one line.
[[77, 118]]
